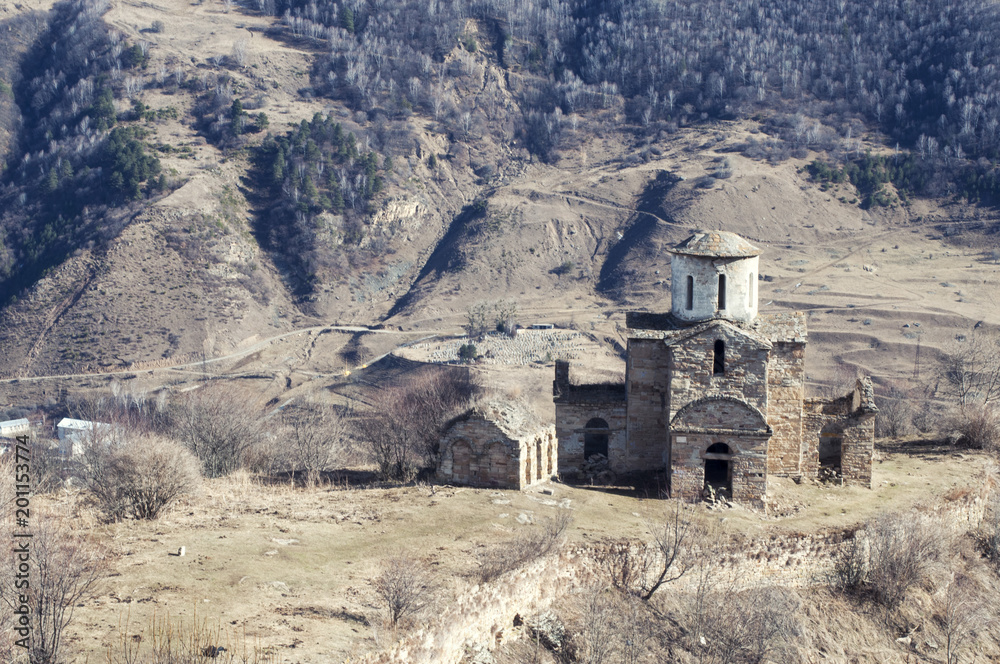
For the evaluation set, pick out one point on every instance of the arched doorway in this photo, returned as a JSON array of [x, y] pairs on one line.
[[595, 438], [831, 444], [719, 469]]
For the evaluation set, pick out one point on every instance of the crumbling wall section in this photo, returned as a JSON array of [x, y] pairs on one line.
[[647, 371], [576, 405], [785, 390], [847, 423], [475, 452]]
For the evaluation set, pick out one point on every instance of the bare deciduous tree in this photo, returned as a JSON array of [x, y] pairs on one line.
[[641, 568], [971, 371], [401, 430], [241, 52], [66, 567], [403, 587], [221, 424], [317, 435]]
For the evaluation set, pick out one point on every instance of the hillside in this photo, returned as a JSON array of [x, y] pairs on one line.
[[409, 199]]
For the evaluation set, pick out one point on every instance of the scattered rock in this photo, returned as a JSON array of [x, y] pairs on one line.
[[548, 629], [477, 653]]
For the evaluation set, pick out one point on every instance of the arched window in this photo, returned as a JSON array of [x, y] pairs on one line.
[[719, 363], [690, 292], [750, 291], [722, 291], [595, 438]]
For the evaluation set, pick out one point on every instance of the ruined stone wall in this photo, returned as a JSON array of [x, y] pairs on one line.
[[475, 452], [571, 420], [741, 287], [748, 466], [484, 614], [857, 448], [850, 421], [538, 457], [820, 422], [647, 379], [785, 391], [692, 376]]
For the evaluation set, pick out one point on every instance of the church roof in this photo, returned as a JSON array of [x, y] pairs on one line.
[[513, 417], [716, 244], [787, 326]]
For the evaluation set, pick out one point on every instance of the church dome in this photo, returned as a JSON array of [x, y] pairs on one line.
[[716, 244], [714, 275]]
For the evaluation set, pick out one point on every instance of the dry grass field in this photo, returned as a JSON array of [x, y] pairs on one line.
[[287, 568]]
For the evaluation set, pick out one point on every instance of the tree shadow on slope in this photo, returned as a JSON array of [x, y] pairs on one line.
[[623, 268]]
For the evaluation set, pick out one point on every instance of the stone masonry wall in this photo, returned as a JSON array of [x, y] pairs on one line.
[[741, 287], [484, 614], [785, 390], [748, 466], [477, 453], [647, 376], [571, 420], [857, 448], [843, 418], [539, 457], [692, 376]]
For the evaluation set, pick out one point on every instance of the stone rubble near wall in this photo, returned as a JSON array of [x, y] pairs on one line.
[[526, 348]]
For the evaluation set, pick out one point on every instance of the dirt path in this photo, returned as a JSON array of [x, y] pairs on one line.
[[229, 356]]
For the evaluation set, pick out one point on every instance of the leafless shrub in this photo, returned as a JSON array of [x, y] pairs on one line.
[[140, 477], [971, 371], [66, 567], [316, 436], [978, 426], [167, 640], [890, 555], [513, 554], [988, 534], [401, 431], [751, 627], [600, 614], [221, 424], [641, 568], [403, 587], [964, 613], [895, 413], [612, 627]]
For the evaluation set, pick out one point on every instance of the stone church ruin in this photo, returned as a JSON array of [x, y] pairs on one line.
[[497, 444], [714, 391]]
